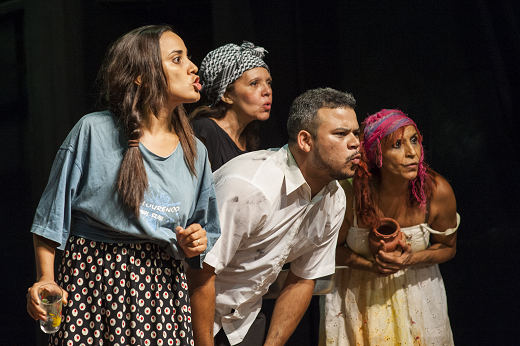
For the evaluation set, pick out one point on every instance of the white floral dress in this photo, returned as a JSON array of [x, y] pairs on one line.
[[406, 308]]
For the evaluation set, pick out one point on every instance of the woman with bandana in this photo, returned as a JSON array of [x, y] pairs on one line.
[[237, 83], [392, 298]]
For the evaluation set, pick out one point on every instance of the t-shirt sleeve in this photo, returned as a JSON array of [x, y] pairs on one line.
[[243, 210], [322, 261], [52, 219], [205, 213], [205, 128]]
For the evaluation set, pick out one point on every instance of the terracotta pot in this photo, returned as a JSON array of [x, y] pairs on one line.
[[389, 231]]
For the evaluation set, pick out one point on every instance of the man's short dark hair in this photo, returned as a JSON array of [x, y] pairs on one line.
[[303, 114]]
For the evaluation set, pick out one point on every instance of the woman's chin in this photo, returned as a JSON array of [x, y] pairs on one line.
[[411, 176], [193, 99], [264, 116]]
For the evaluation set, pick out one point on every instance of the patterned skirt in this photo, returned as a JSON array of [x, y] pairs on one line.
[[122, 294]]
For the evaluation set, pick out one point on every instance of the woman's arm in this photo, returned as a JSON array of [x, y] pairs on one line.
[[444, 212], [44, 252], [344, 255], [347, 257]]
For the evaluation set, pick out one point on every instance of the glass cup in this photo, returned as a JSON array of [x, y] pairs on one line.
[[50, 296]]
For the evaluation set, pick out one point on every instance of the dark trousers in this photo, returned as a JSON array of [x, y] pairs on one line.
[[255, 335]]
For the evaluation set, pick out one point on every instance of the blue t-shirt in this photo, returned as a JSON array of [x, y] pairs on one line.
[[81, 196]]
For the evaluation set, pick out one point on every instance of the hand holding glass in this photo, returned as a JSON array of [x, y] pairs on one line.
[[50, 296]]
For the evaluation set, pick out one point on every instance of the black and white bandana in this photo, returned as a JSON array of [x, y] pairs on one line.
[[225, 65]]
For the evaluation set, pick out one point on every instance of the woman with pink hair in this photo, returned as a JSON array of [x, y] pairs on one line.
[[392, 298]]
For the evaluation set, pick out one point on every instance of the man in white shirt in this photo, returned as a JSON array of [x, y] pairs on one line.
[[279, 206]]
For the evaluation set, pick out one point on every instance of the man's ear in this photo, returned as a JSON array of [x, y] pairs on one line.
[[304, 140], [226, 99], [138, 80]]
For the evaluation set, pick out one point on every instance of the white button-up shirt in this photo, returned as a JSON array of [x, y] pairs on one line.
[[268, 218]]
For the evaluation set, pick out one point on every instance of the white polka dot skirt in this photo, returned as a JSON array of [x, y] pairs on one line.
[[122, 294]]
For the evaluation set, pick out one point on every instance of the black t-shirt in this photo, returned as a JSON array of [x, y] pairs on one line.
[[221, 147]]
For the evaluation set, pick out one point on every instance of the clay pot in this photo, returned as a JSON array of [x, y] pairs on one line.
[[389, 231]]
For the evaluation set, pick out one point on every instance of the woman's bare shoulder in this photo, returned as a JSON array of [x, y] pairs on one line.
[[443, 202], [443, 191]]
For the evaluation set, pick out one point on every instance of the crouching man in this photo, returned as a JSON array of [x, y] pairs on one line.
[[279, 206]]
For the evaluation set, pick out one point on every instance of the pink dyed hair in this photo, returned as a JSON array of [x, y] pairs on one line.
[[381, 125]]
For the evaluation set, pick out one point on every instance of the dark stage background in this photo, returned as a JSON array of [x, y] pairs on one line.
[[451, 65]]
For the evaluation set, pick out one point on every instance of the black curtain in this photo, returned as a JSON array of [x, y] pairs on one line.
[[451, 65]]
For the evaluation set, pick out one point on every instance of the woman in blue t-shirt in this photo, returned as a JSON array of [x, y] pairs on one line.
[[237, 83], [128, 204]]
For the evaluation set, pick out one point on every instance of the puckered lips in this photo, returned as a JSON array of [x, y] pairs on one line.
[[267, 105], [196, 84], [355, 160]]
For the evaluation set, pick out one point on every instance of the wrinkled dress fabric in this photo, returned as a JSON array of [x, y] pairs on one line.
[[406, 308]]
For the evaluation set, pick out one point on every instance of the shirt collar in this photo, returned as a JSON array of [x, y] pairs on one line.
[[333, 186], [294, 177]]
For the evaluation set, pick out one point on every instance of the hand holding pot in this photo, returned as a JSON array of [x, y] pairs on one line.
[[387, 263]]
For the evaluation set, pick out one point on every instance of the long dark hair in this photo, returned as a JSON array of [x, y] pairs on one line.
[[133, 83], [219, 110]]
